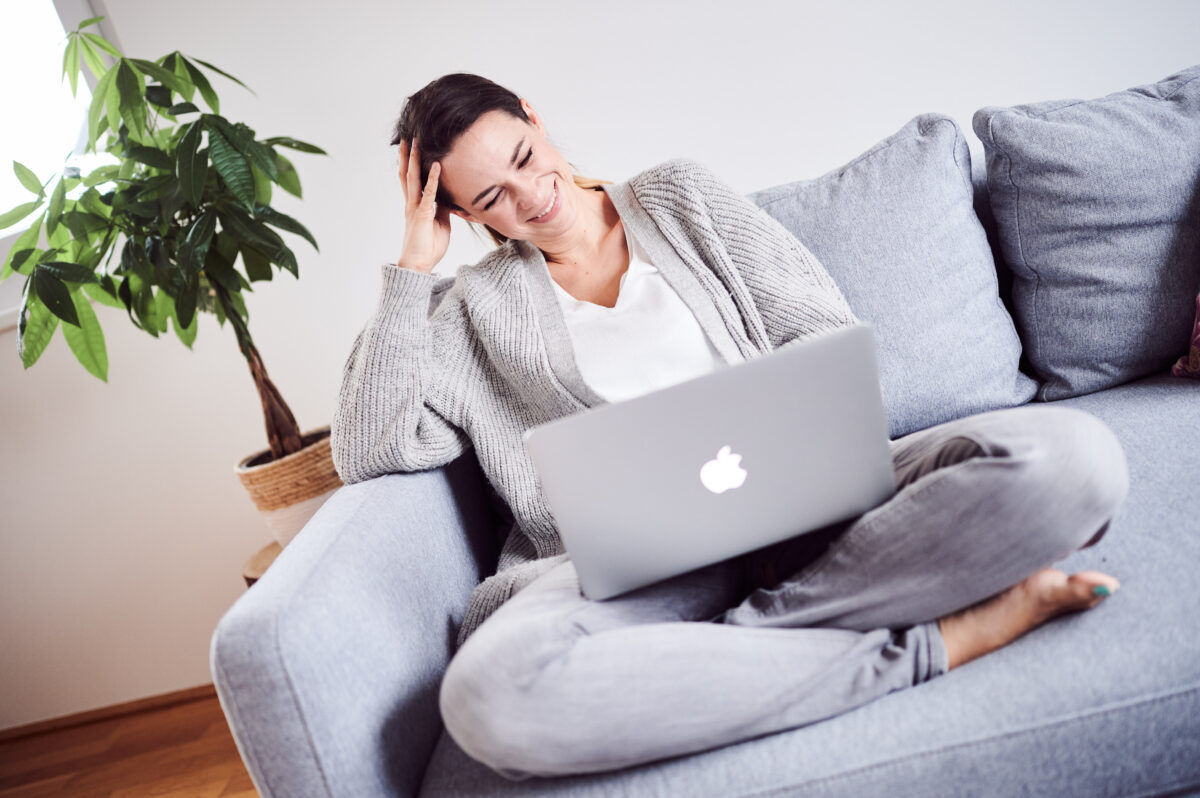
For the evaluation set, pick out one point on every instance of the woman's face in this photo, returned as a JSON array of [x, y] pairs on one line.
[[503, 172]]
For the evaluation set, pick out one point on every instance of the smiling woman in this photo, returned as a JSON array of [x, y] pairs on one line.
[[595, 296], [512, 136]]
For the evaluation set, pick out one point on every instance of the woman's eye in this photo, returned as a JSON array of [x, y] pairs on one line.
[[501, 191]]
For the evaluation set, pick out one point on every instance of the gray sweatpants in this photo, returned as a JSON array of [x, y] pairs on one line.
[[554, 683]]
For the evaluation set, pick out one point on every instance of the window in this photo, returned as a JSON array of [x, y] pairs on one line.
[[44, 124]]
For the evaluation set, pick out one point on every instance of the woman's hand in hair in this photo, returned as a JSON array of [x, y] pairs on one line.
[[426, 226]]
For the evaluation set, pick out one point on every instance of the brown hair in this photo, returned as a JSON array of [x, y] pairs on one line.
[[443, 110]]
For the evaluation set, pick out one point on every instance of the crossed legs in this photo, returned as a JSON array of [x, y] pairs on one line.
[[553, 683]]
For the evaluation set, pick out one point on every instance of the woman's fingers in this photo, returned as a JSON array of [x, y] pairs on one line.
[[403, 169], [428, 198], [413, 173]]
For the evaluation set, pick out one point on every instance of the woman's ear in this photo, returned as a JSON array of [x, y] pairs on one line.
[[534, 118]]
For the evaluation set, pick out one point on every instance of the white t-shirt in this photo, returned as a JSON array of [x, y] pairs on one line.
[[650, 339]]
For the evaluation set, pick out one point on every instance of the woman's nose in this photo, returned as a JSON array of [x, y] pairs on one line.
[[532, 198]]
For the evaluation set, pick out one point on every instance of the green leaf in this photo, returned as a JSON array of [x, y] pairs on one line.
[[194, 248], [125, 293], [183, 108], [146, 308], [22, 249], [160, 96], [258, 267], [112, 104], [96, 109], [284, 222], [291, 143], [91, 57], [96, 292], [174, 62], [53, 292], [74, 222], [35, 331], [185, 306], [260, 155], [18, 213], [250, 232], [87, 340], [131, 89], [186, 332], [164, 309], [232, 166], [57, 201], [103, 44], [226, 74], [28, 178], [222, 272], [93, 204], [89, 22], [202, 84], [152, 157], [71, 63], [262, 186], [242, 137], [162, 75], [288, 179], [191, 164], [58, 239], [70, 272]]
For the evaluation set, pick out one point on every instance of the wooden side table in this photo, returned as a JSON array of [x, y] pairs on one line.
[[257, 565]]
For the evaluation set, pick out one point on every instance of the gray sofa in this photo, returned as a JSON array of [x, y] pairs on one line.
[[328, 668]]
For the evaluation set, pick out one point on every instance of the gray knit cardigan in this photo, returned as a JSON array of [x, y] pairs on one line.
[[447, 363]]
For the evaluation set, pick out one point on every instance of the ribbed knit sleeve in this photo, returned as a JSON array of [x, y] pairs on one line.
[[794, 293], [395, 388]]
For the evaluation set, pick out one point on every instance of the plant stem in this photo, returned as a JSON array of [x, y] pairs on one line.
[[283, 433]]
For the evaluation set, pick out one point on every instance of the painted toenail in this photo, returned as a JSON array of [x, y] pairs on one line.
[[1100, 590]]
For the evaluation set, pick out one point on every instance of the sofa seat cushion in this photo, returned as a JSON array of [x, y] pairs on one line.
[[896, 229], [1097, 203], [1104, 702]]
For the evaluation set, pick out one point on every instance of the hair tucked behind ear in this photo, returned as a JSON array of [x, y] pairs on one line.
[[443, 110]]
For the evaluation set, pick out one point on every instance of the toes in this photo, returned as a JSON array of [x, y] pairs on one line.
[[1089, 588]]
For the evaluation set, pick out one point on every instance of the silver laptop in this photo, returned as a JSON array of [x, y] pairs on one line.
[[703, 470]]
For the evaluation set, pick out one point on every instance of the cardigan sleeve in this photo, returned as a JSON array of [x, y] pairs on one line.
[[388, 416], [794, 293]]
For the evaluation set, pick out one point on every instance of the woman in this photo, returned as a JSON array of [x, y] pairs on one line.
[[599, 291]]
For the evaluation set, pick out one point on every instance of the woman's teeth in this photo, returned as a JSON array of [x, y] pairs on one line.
[[553, 196]]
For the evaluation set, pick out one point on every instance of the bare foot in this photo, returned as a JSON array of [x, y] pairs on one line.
[[1001, 619]]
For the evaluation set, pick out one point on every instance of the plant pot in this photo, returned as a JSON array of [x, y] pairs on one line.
[[288, 491]]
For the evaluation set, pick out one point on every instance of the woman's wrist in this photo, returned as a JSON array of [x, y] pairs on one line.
[[400, 264]]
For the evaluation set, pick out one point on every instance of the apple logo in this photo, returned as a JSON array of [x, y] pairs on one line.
[[723, 473]]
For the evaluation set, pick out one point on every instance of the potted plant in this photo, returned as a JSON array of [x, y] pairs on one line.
[[184, 200]]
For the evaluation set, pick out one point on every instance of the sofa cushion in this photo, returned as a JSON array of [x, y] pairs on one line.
[[896, 229], [1104, 702], [1098, 208]]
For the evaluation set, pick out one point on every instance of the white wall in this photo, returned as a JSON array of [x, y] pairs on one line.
[[124, 528]]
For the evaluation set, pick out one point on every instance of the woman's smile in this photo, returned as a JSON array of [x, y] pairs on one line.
[[552, 211]]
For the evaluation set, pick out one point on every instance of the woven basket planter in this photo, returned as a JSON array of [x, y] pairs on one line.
[[290, 490]]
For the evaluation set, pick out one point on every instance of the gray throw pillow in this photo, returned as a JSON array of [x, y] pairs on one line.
[[1097, 204], [897, 231]]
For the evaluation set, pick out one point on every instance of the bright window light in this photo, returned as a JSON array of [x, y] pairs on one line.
[[42, 121]]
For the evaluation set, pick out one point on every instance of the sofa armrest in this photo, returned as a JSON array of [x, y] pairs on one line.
[[328, 668]]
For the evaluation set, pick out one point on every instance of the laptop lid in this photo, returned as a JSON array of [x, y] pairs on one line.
[[747, 455]]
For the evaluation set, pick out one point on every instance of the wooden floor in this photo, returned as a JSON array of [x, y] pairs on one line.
[[179, 751]]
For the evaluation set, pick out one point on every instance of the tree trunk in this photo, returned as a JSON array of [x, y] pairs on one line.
[[283, 433]]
